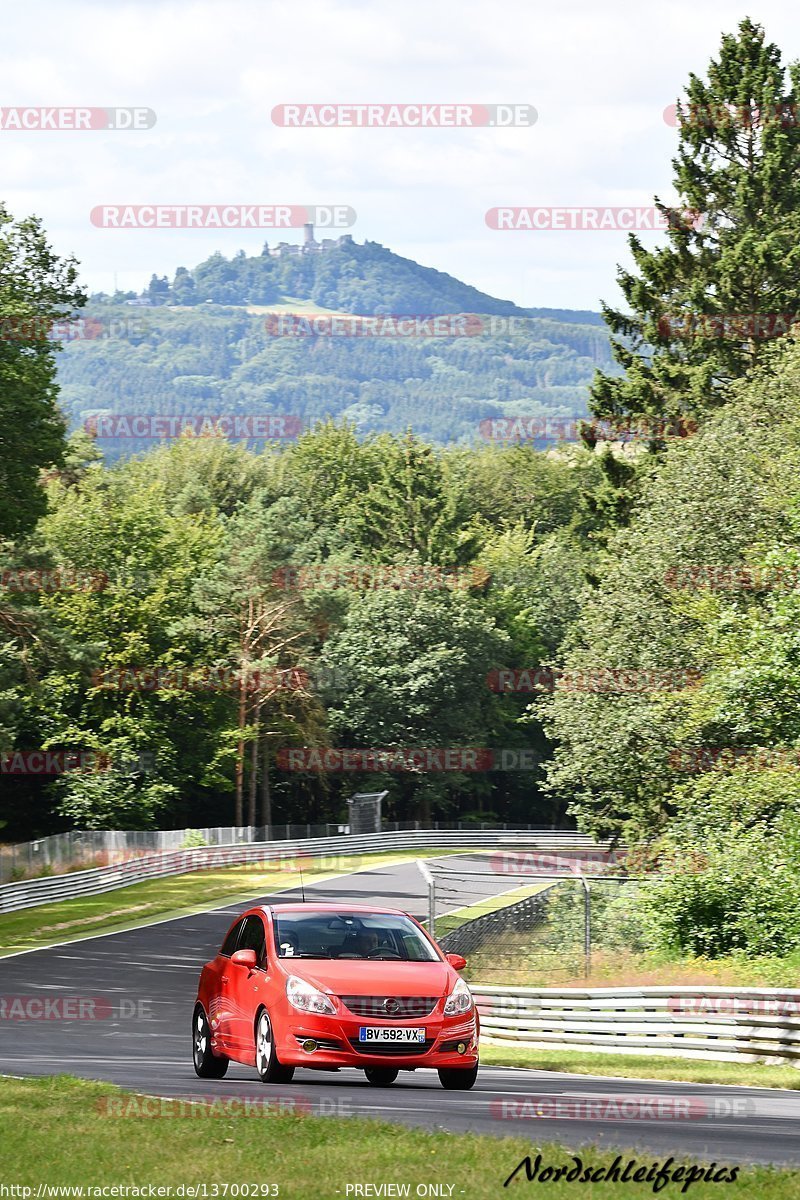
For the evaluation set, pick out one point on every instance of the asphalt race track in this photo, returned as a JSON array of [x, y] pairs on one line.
[[147, 978]]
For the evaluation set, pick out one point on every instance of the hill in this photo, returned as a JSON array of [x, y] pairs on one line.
[[201, 344]]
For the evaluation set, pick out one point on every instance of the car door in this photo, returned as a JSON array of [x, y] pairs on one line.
[[245, 986], [220, 1007]]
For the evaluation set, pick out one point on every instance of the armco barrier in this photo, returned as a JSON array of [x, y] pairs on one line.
[[727, 1024], [30, 892], [82, 849]]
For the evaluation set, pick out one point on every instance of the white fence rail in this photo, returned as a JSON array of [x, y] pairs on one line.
[[29, 892], [732, 1024]]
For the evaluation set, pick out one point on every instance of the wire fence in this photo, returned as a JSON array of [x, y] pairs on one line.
[[542, 926]]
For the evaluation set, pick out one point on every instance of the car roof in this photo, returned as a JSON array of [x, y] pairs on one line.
[[298, 906]]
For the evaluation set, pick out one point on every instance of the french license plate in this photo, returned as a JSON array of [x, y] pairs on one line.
[[390, 1033]]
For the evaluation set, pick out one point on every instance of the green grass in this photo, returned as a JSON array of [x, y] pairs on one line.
[[175, 895], [290, 305], [541, 958], [645, 1066], [57, 1131]]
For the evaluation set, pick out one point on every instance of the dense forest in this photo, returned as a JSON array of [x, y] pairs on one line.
[[348, 592], [595, 632]]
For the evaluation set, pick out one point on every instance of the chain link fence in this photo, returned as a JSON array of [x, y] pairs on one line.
[[541, 928]]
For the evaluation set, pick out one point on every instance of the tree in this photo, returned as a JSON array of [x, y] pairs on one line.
[[158, 290], [36, 289], [734, 244], [729, 866], [717, 502], [418, 664], [411, 510], [260, 631], [137, 564]]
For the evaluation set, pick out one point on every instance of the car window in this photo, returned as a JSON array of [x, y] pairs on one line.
[[254, 937], [229, 945], [384, 936]]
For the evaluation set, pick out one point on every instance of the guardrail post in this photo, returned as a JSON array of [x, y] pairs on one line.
[[587, 927]]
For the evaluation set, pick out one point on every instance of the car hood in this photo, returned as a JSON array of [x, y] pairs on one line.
[[356, 977]]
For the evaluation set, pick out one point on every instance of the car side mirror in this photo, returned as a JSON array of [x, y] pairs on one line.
[[457, 961], [245, 958]]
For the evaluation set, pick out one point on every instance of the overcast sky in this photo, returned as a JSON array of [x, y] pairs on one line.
[[599, 76]]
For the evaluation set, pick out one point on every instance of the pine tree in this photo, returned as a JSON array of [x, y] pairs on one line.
[[704, 308], [37, 291]]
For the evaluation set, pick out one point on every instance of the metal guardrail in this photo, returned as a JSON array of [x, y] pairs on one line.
[[82, 849], [29, 892], [732, 1024]]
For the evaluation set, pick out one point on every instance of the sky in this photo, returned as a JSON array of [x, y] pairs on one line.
[[599, 77]]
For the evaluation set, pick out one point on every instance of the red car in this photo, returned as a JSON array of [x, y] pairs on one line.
[[328, 986]]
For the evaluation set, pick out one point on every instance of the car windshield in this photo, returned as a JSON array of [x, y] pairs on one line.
[[381, 937]]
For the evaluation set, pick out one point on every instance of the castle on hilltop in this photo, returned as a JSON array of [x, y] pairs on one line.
[[309, 244]]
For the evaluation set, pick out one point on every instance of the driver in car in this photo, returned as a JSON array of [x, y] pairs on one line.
[[365, 943]]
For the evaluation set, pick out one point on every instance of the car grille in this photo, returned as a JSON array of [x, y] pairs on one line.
[[391, 1049], [411, 1008]]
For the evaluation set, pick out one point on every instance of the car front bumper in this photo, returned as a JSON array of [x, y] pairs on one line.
[[337, 1043]]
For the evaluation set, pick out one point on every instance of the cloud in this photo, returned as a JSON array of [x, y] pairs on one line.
[[599, 78]]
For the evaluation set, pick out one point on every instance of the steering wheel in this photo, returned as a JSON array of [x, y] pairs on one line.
[[383, 952]]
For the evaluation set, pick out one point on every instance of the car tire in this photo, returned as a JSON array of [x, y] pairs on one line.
[[206, 1064], [381, 1076], [458, 1079], [268, 1065]]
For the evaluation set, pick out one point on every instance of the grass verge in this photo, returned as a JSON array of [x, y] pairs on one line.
[[540, 959], [57, 1131], [645, 1066], [174, 896]]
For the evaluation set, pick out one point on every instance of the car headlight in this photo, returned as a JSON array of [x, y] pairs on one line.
[[459, 1001], [305, 998]]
